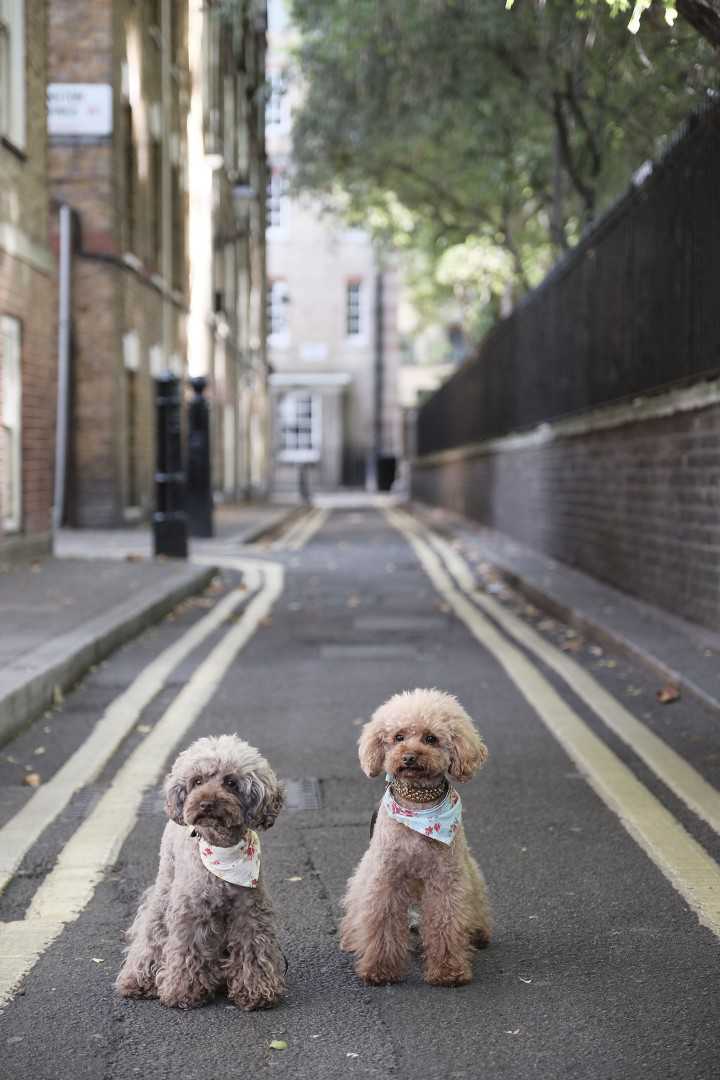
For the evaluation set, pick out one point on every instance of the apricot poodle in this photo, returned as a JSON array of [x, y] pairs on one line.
[[418, 854]]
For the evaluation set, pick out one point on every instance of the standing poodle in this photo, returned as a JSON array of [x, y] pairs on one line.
[[207, 924], [418, 853]]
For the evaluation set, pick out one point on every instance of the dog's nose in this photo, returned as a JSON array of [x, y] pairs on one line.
[[409, 759], [205, 805]]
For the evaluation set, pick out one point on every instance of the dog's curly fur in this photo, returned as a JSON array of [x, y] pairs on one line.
[[419, 735], [195, 934]]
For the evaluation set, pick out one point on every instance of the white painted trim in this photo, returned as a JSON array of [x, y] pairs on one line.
[[11, 418], [310, 378], [20, 246], [688, 399]]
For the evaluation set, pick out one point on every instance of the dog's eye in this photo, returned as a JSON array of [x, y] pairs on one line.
[[197, 781], [230, 782], [430, 739], [399, 738]]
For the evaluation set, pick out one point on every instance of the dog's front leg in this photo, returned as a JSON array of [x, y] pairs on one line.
[[148, 933], [378, 914], [254, 964], [191, 969], [444, 929]]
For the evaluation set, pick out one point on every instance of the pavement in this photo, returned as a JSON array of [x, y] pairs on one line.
[[678, 652], [596, 822], [59, 620]]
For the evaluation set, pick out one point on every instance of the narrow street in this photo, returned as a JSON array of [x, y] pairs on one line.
[[594, 822]]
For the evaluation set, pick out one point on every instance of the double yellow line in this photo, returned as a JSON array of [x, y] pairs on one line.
[[682, 860]]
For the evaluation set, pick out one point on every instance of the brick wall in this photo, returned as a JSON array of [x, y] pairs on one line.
[[27, 293], [636, 505], [125, 279]]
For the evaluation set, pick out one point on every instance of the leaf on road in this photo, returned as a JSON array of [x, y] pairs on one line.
[[515, 1031], [278, 1044], [143, 728], [524, 980], [572, 645], [32, 779], [295, 877], [58, 696], [667, 694], [596, 650], [39, 750], [352, 1055], [97, 960]]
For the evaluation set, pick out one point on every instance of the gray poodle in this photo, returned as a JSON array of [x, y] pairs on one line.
[[207, 924]]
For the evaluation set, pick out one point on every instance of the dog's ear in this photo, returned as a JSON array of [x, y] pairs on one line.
[[467, 750], [265, 798], [371, 749], [175, 793]]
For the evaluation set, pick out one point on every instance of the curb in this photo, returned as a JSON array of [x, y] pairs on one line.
[[603, 635], [591, 627], [268, 528], [63, 662]]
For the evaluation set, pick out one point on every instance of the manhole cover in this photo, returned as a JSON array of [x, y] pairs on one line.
[[303, 794]]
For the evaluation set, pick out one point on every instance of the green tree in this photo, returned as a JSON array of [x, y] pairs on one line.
[[444, 122]]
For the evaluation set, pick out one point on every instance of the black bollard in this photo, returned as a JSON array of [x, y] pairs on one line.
[[199, 500], [169, 520]]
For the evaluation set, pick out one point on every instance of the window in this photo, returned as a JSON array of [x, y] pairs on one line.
[[277, 303], [353, 316], [131, 172], [12, 71], [276, 200], [10, 425], [299, 426], [275, 106]]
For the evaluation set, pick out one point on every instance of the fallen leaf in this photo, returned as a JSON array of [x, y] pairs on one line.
[[278, 1044], [572, 645], [97, 960], [58, 696], [39, 750], [352, 1055], [133, 558], [546, 624], [667, 694], [143, 728], [516, 1031], [32, 779], [296, 877], [526, 981], [596, 650]]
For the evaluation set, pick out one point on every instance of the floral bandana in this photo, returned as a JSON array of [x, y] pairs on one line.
[[440, 821], [238, 865]]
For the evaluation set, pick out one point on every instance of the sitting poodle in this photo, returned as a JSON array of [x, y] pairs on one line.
[[418, 853], [207, 924]]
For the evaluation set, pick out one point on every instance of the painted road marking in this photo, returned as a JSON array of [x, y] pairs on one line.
[[302, 531], [95, 846], [672, 769], [19, 834], [677, 855]]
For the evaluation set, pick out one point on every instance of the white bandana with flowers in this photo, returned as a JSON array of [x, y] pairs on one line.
[[441, 822], [238, 865]]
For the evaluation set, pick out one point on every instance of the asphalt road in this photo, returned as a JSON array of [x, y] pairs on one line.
[[598, 848]]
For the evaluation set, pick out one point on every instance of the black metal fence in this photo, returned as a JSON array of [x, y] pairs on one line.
[[634, 308]]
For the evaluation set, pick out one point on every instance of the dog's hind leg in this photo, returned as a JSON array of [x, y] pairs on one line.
[[480, 915], [254, 963]]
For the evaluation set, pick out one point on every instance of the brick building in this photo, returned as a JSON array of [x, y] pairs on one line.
[[226, 147], [332, 318], [27, 350], [119, 100]]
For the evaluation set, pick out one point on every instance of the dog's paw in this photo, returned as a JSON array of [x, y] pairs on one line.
[[378, 975], [480, 937], [131, 986], [448, 975], [183, 997], [251, 999]]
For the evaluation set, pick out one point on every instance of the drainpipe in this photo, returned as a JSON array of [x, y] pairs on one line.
[[63, 383], [379, 379]]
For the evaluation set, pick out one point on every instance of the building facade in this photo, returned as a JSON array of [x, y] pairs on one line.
[[227, 340], [27, 348], [331, 315]]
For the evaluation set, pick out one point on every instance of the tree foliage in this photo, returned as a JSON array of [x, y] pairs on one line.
[[452, 122]]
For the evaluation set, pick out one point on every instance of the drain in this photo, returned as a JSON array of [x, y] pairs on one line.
[[303, 794]]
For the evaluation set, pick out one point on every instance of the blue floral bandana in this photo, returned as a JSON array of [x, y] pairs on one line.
[[440, 822]]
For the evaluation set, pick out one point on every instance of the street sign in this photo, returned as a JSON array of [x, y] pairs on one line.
[[83, 109]]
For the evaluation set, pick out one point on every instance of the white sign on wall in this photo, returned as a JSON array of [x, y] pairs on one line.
[[80, 109]]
